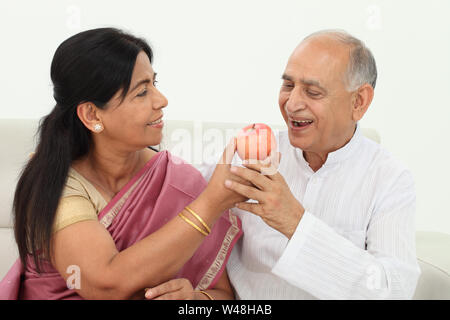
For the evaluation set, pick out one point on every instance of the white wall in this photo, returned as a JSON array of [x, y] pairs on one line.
[[222, 61]]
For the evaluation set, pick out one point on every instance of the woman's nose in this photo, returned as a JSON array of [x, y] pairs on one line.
[[160, 100]]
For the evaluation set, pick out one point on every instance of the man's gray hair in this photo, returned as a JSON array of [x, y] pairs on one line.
[[361, 66]]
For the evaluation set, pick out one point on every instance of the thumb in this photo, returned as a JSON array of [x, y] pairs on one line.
[[275, 158], [229, 152]]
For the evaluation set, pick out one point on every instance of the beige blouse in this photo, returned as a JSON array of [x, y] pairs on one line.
[[79, 201]]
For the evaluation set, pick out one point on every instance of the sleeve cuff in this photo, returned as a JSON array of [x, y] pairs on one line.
[[295, 244]]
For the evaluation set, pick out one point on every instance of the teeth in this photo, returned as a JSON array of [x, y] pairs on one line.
[[155, 122], [303, 121]]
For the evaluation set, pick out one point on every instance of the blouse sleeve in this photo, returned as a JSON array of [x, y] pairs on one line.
[[71, 210], [74, 206]]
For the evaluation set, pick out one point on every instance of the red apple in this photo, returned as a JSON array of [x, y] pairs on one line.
[[255, 141]]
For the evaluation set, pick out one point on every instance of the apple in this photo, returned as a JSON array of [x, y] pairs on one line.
[[255, 142]]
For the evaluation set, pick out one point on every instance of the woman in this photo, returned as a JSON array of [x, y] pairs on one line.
[[98, 214]]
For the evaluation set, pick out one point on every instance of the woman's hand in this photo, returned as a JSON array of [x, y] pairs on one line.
[[176, 289], [216, 191]]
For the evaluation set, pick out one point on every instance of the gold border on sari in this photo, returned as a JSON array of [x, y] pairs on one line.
[[215, 267], [108, 218]]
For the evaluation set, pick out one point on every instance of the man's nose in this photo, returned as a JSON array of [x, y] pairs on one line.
[[295, 102]]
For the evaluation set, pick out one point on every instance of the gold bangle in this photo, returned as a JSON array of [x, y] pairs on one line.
[[206, 294], [192, 224], [198, 218]]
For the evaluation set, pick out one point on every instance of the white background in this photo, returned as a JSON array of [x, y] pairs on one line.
[[222, 61]]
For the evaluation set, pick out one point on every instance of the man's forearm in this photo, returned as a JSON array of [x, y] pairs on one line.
[[327, 265]]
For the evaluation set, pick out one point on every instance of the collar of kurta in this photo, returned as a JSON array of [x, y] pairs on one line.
[[338, 156]]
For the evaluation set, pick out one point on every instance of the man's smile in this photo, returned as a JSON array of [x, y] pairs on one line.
[[299, 123]]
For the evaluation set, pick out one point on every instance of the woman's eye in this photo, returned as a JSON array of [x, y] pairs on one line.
[[143, 93]]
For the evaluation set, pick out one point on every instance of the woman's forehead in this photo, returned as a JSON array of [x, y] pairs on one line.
[[142, 68]]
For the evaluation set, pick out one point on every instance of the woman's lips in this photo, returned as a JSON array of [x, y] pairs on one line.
[[157, 124]]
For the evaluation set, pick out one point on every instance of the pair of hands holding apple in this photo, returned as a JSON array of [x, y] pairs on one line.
[[231, 186], [260, 180]]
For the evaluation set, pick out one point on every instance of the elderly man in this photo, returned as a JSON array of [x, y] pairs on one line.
[[337, 219]]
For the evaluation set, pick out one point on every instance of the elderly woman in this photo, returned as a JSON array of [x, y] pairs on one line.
[[99, 214]]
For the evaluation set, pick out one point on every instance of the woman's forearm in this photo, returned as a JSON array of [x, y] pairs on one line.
[[158, 257]]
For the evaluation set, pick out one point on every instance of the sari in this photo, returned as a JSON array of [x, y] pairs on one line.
[[155, 195]]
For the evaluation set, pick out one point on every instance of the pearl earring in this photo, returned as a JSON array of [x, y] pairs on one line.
[[98, 127]]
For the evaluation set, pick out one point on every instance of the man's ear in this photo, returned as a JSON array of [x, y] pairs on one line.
[[361, 101], [89, 115]]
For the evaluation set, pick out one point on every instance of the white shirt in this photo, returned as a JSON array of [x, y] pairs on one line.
[[356, 239]]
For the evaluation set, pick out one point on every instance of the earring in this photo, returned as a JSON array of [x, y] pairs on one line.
[[98, 127]]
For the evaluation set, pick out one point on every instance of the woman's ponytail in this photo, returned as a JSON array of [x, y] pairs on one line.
[[91, 66], [41, 183]]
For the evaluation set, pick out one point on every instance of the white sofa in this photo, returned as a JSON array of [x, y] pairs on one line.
[[188, 139]]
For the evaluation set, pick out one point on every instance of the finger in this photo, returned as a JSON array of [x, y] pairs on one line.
[[166, 287], [246, 191], [253, 164], [258, 180], [229, 152], [267, 167], [272, 169], [254, 208], [170, 296]]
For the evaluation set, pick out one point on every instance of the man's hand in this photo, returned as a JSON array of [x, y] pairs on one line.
[[276, 204]]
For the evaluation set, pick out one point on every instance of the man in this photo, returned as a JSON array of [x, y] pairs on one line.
[[337, 220]]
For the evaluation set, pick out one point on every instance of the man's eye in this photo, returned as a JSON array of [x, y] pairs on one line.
[[143, 93], [155, 82], [288, 85], [313, 93]]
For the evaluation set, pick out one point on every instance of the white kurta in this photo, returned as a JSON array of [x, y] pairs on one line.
[[356, 239]]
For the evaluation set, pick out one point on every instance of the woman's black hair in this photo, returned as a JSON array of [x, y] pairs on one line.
[[91, 66]]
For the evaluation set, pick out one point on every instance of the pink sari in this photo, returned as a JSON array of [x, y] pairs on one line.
[[156, 194]]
